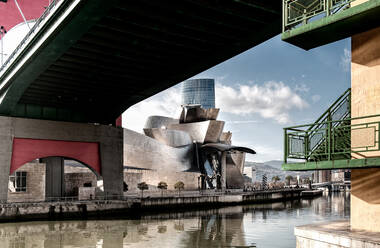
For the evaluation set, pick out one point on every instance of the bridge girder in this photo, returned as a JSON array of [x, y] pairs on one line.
[[93, 59]]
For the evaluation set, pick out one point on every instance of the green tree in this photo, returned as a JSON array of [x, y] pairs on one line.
[[288, 178], [276, 179], [179, 186], [142, 186], [162, 186]]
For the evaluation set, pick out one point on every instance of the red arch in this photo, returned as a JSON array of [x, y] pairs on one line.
[[26, 150]]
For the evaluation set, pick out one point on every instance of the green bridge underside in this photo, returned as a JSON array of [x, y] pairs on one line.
[[105, 56], [338, 26], [333, 164]]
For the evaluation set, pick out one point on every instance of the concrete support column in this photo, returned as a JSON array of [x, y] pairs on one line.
[[54, 179], [365, 199], [110, 140], [365, 100], [111, 155], [6, 139]]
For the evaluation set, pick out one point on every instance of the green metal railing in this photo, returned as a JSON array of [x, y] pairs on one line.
[[300, 12], [313, 141], [336, 144]]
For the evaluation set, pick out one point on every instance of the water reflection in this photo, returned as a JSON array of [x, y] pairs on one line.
[[269, 225]]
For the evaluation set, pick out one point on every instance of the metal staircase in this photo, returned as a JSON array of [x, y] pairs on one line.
[[328, 138]]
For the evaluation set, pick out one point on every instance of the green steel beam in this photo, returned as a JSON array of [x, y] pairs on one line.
[[333, 164], [81, 20], [346, 23], [35, 111]]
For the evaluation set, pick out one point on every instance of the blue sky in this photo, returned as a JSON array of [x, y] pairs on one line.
[[262, 90]]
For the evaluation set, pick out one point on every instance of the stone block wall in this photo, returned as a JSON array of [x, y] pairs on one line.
[[35, 184], [152, 177], [86, 193], [74, 181]]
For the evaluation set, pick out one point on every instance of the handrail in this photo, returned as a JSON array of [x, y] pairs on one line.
[[337, 140], [295, 12], [314, 138], [348, 119], [344, 95]]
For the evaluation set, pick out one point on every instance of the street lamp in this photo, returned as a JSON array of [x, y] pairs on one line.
[[2, 33]]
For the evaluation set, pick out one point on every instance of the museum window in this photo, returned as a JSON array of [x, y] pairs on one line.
[[18, 181]]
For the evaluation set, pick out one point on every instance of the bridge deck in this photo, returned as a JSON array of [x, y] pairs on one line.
[[105, 56]]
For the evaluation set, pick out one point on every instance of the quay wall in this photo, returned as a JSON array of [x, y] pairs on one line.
[[132, 206]]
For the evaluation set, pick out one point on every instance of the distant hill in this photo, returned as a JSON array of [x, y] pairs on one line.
[[273, 168], [275, 163]]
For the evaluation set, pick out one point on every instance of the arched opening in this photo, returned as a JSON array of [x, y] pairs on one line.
[[54, 179], [54, 170], [81, 181]]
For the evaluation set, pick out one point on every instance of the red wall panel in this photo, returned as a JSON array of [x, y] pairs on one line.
[[26, 150]]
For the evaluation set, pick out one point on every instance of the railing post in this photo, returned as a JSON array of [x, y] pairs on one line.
[[285, 145], [329, 135], [327, 7], [306, 145], [349, 103], [285, 9], [304, 17], [283, 15]]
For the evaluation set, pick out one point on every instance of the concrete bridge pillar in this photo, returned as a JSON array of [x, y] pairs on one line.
[[365, 95], [6, 138], [99, 147]]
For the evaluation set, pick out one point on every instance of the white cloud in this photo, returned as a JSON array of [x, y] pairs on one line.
[[345, 60], [302, 88], [243, 122], [166, 103], [273, 100], [315, 98]]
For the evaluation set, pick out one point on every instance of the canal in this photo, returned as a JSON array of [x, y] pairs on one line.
[[267, 225]]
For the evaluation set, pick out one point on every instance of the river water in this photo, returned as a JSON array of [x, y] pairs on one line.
[[269, 225]]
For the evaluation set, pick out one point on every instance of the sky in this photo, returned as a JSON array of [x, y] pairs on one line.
[[261, 91]]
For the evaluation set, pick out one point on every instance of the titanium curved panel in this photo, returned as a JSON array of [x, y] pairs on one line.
[[173, 138], [192, 113], [201, 132], [142, 151], [157, 121], [238, 159], [234, 178], [225, 148]]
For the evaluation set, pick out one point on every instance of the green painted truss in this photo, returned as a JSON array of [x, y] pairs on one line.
[[334, 141]]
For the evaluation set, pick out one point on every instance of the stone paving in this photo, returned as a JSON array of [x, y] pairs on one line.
[[335, 234]]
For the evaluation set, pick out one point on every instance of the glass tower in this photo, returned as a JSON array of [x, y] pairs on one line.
[[199, 91]]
